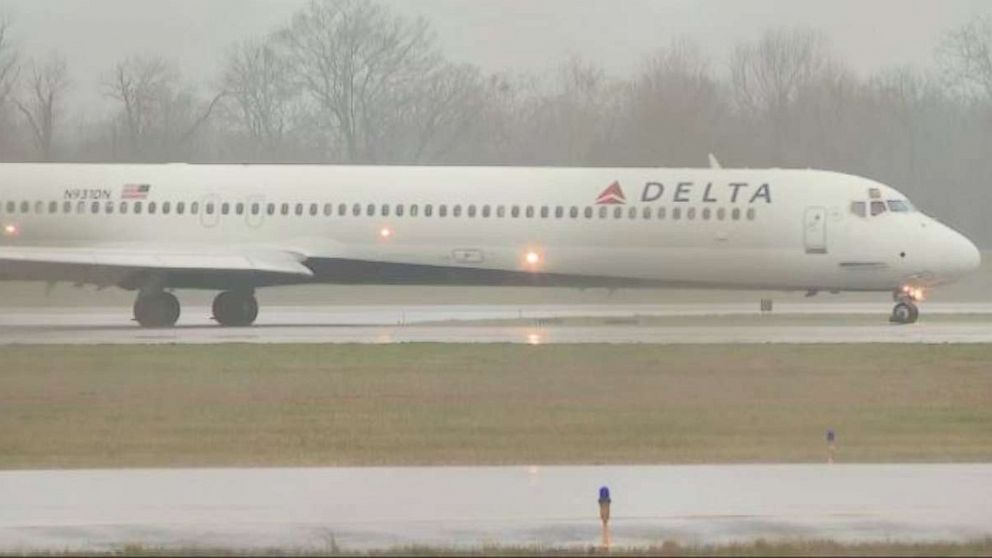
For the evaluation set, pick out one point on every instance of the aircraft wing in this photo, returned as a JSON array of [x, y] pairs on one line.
[[93, 262]]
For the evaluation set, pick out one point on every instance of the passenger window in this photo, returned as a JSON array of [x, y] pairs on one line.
[[456, 211], [501, 211], [123, 208], [270, 209], [545, 211], [471, 211], [225, 208], [877, 208], [632, 213], [299, 209], [239, 208], [328, 209], [399, 210], [12, 207], [515, 211], [603, 212], [110, 207], [414, 210], [67, 207], [676, 213], [573, 212], [751, 214], [314, 209], [194, 208], [95, 207], [356, 210], [858, 208], [385, 210], [721, 213], [370, 210], [26, 207], [559, 212], [166, 208], [256, 208], [81, 207], [706, 213], [428, 210], [530, 212], [284, 209], [588, 213], [442, 210], [181, 208], [53, 207], [618, 213], [210, 208], [661, 213], [151, 207], [736, 214], [647, 213], [137, 208], [342, 209], [486, 212], [690, 213]]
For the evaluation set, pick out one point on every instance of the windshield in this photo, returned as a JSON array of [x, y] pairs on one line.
[[900, 206]]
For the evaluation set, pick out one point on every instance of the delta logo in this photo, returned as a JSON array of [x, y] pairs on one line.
[[612, 195]]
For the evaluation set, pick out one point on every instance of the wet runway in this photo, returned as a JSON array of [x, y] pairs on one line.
[[369, 508], [534, 324]]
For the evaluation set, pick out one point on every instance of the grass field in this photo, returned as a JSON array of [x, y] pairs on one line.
[[281, 405]]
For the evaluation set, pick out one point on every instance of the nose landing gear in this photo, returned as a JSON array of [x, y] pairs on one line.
[[905, 310]]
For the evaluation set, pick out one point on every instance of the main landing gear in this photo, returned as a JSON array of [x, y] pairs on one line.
[[905, 310], [159, 309], [235, 308]]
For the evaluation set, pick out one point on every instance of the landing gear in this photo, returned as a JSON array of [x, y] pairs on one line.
[[235, 309], [905, 312], [158, 309]]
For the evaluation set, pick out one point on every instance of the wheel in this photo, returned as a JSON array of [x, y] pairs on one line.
[[905, 313], [235, 309], [157, 310]]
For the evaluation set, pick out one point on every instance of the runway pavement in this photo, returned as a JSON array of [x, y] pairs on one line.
[[526, 324], [378, 508]]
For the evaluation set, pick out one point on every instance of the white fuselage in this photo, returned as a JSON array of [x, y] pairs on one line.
[[782, 229]]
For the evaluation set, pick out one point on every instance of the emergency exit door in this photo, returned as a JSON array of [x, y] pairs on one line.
[[815, 233]]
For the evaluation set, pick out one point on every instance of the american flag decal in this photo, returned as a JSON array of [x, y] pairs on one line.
[[135, 191]]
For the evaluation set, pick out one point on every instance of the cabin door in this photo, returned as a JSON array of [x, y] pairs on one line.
[[815, 230]]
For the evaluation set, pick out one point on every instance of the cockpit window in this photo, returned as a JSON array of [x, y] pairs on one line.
[[877, 208], [900, 206], [858, 208]]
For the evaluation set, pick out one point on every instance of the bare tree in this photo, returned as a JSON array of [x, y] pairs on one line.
[[358, 63], [42, 102], [674, 108], [769, 76], [966, 55], [157, 115], [9, 71], [258, 80]]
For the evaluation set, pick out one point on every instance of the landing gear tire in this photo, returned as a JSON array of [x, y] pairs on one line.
[[905, 313], [235, 309], [156, 310]]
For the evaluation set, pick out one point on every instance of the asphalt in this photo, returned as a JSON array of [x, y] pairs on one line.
[[382, 508], [533, 324]]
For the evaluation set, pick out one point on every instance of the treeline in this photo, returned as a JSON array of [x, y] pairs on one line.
[[347, 81]]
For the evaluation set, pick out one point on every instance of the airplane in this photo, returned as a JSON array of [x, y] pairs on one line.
[[156, 228]]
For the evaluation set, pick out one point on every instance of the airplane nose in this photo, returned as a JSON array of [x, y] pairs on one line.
[[964, 255]]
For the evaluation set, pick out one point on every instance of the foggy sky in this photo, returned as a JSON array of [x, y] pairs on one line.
[[494, 34]]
